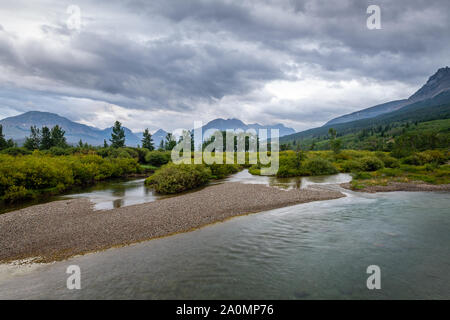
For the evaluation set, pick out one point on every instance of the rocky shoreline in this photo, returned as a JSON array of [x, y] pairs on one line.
[[400, 186], [61, 229]]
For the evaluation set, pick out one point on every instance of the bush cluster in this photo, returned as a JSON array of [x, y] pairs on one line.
[[318, 166], [175, 178], [29, 175], [371, 164], [157, 158]]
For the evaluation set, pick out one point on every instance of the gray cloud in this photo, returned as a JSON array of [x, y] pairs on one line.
[[215, 58]]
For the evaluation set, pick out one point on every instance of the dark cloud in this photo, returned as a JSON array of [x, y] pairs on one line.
[[184, 55]]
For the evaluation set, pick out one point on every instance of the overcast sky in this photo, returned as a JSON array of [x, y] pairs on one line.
[[165, 63]]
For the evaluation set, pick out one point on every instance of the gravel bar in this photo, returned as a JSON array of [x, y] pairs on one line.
[[400, 186], [61, 229]]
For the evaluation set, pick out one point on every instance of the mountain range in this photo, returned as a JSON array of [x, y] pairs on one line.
[[436, 84], [430, 102], [234, 124], [18, 128]]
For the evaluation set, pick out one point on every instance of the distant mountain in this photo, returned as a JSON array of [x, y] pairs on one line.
[[234, 124], [434, 108], [159, 135], [18, 127], [436, 84]]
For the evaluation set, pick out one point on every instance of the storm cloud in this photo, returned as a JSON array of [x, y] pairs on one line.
[[164, 64]]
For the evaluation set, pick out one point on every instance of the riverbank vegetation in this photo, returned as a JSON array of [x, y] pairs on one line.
[[429, 166], [47, 164], [175, 178], [27, 176]]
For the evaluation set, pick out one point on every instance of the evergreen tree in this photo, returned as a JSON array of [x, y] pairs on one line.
[[34, 140], [147, 141], [3, 142], [105, 144], [335, 144], [332, 133], [117, 136], [313, 145], [300, 156], [80, 144], [170, 142], [46, 140], [57, 137], [161, 145]]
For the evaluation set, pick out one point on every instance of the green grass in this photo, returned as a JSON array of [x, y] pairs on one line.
[[28, 176]]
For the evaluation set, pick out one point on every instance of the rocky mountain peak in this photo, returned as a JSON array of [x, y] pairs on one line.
[[436, 84]]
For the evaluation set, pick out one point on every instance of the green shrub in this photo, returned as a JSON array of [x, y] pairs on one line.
[[175, 178], [255, 170], [431, 166], [157, 158], [23, 176], [318, 166], [220, 171], [351, 166], [361, 175], [142, 152], [432, 156], [58, 151], [413, 160], [285, 172], [390, 162], [391, 172], [15, 151], [371, 164]]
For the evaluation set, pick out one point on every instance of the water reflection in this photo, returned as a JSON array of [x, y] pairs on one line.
[[126, 193], [119, 193], [289, 183]]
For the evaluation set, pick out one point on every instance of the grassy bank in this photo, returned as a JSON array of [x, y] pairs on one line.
[[27, 176], [403, 174], [366, 166]]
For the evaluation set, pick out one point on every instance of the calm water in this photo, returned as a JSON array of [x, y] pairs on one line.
[[309, 251], [119, 193], [105, 195], [289, 183]]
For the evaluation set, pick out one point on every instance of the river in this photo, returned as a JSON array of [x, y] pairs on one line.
[[318, 250]]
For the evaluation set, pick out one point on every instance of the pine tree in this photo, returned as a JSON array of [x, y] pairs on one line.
[[34, 140], [335, 144], [80, 144], [3, 143], [117, 136], [300, 156], [46, 140], [147, 141], [161, 145], [57, 137], [332, 133], [105, 144], [170, 142]]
